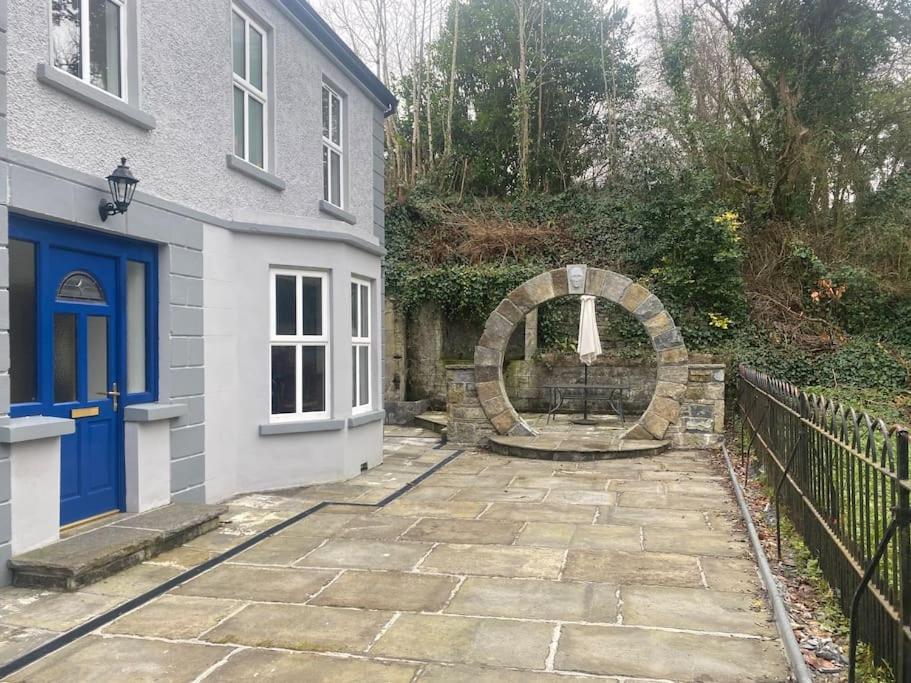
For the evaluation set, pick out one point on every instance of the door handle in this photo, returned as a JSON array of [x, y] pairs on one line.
[[113, 394]]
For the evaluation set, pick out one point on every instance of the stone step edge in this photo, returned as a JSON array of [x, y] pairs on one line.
[[432, 425], [557, 455], [26, 574]]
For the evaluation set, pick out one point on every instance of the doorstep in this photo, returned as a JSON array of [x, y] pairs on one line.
[[85, 558]]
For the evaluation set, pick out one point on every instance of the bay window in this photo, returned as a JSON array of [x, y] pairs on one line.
[[360, 345], [248, 41], [87, 41], [299, 345]]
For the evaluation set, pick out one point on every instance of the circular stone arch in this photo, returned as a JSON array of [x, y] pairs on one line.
[[673, 359]]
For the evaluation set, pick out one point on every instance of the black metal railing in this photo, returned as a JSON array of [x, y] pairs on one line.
[[842, 478]]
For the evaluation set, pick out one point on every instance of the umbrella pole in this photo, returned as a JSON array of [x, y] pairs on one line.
[[585, 396]]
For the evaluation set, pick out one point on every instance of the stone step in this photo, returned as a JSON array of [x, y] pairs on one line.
[[573, 449], [435, 422], [87, 557]]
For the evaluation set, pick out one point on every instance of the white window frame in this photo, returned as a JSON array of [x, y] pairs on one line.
[[247, 87], [84, 58], [330, 146], [299, 340], [358, 342]]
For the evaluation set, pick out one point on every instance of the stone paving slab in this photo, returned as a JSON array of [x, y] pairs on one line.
[[487, 560], [536, 599], [357, 554], [388, 590], [297, 667], [636, 568], [174, 616], [464, 531], [257, 583], [465, 640], [443, 673], [670, 655], [695, 609], [298, 627], [130, 659]]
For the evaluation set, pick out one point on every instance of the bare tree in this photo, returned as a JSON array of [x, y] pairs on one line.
[[447, 132]]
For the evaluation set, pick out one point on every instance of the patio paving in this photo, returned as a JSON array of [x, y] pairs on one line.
[[491, 569]]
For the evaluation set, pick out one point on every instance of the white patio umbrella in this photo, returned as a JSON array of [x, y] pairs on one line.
[[588, 346]]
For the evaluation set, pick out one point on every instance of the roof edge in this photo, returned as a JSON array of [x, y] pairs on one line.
[[324, 33]]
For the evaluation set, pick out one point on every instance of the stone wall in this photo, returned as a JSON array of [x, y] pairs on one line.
[[395, 371], [701, 423], [524, 381], [468, 425], [426, 370]]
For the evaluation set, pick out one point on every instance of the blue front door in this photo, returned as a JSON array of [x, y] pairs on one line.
[[89, 290], [86, 384]]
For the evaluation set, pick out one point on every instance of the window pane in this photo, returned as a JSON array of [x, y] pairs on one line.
[[312, 305], [239, 44], [335, 178], [325, 173], [325, 113], [23, 365], [66, 38], [354, 315], [64, 357], [256, 58], [363, 374], [80, 286], [285, 304], [255, 129], [365, 311], [336, 120], [353, 376], [104, 45], [284, 380], [98, 356], [239, 123], [136, 327], [313, 379]]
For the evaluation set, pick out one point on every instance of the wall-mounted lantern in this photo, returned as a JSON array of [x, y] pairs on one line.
[[123, 184]]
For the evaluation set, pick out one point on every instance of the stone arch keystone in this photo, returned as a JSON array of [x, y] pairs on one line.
[[673, 358]]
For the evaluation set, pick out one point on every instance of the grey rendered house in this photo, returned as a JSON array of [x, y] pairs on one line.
[[222, 334]]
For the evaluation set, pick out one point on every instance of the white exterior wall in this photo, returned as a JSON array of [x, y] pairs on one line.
[[237, 318], [186, 84]]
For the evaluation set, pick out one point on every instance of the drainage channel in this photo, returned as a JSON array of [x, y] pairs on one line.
[[105, 618]]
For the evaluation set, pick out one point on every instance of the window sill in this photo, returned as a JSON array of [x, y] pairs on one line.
[[21, 429], [301, 427], [366, 418], [64, 82], [153, 412], [235, 163], [337, 213]]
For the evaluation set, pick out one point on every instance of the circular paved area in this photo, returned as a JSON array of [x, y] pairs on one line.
[[490, 570]]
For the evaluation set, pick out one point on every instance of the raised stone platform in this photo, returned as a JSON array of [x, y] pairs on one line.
[[99, 552], [572, 448]]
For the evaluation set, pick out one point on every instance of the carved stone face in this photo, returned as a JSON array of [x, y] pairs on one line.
[[576, 279]]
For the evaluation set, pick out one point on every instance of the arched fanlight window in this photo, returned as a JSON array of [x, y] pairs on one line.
[[80, 286]]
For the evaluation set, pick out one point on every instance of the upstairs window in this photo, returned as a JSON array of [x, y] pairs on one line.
[[332, 147], [250, 101], [87, 40]]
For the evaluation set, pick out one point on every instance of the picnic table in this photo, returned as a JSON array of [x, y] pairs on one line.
[[612, 394]]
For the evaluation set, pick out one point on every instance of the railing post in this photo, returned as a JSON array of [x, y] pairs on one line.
[[904, 557]]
